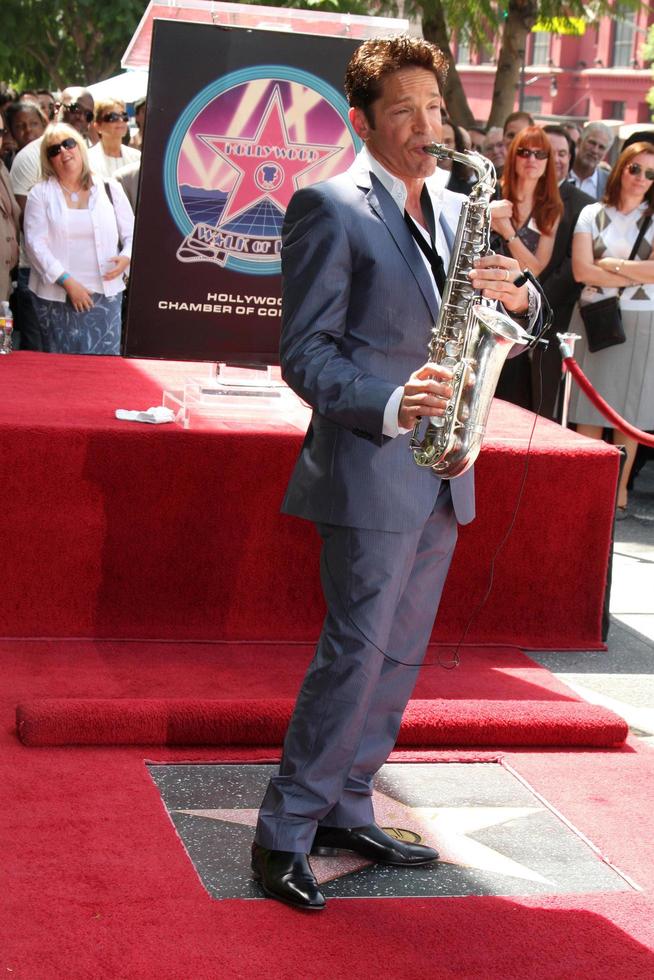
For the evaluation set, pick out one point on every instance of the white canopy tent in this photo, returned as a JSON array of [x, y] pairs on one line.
[[129, 87]]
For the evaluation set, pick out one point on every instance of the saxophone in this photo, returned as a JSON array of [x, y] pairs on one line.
[[470, 337]]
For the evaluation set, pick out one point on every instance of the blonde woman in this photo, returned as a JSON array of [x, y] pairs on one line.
[[110, 153], [78, 236]]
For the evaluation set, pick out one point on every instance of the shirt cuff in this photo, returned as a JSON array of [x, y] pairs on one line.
[[530, 315], [391, 426]]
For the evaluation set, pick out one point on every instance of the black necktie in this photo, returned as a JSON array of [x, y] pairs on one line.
[[428, 249]]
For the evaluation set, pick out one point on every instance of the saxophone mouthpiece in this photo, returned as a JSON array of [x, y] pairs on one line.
[[436, 150]]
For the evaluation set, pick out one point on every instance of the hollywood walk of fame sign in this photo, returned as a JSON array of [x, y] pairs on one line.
[[252, 117]]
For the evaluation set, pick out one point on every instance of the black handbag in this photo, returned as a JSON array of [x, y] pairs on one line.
[[603, 319], [603, 323]]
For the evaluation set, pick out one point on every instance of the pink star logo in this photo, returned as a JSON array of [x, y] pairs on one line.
[[269, 165]]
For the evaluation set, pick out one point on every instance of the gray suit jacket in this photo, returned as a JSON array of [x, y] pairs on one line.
[[358, 308]]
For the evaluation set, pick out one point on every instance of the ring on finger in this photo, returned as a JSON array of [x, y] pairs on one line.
[[506, 275]]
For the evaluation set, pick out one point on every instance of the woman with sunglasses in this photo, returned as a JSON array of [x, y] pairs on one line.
[[604, 238], [526, 219], [111, 124], [524, 223], [78, 236]]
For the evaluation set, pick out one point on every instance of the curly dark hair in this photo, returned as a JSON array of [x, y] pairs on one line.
[[380, 56]]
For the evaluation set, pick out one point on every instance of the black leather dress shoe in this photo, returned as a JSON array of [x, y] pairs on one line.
[[371, 842], [287, 876]]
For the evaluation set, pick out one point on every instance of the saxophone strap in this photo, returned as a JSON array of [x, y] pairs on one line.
[[428, 248]]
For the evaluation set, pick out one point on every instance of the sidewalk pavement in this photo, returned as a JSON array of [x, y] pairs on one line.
[[622, 678]]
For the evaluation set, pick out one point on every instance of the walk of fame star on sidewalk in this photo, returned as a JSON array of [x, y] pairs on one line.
[[493, 834], [445, 828]]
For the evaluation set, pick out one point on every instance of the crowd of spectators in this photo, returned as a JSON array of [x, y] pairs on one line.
[[67, 217]]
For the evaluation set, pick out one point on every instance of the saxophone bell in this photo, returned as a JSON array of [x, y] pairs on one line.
[[470, 337]]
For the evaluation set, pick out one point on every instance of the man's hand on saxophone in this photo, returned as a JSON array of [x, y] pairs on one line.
[[426, 393], [495, 275]]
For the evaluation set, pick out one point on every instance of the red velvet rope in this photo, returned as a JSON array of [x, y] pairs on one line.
[[609, 413]]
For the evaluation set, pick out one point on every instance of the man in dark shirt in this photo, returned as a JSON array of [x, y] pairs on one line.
[[557, 280]]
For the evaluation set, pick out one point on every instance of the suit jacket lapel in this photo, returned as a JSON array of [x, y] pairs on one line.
[[385, 208]]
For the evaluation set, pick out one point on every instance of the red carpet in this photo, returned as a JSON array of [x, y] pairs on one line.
[[242, 694], [431, 723], [231, 671], [121, 530], [426, 724], [96, 883]]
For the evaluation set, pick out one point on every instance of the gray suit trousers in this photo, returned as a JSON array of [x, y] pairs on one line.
[[382, 591]]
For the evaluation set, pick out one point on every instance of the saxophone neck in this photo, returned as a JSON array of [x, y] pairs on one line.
[[486, 177]]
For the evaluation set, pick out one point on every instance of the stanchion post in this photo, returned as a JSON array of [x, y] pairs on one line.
[[567, 344]]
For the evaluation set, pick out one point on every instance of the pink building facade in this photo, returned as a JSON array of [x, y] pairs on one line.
[[598, 75]]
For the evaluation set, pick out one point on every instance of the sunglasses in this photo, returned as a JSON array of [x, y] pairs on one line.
[[525, 153], [115, 117], [636, 169], [75, 109], [55, 148]]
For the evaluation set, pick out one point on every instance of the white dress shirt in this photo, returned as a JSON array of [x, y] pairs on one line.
[[397, 190], [589, 185], [104, 166]]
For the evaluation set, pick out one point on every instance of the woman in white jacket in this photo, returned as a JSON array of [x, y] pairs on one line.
[[78, 235]]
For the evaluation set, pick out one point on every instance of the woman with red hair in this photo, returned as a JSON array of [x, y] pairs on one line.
[[526, 219], [524, 223], [605, 236]]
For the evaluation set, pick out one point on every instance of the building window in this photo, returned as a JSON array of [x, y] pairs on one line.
[[613, 110], [540, 48], [533, 104], [623, 37], [463, 51]]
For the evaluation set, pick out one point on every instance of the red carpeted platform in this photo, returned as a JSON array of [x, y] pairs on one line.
[[114, 529]]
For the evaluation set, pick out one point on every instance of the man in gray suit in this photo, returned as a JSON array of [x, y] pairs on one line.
[[359, 302], [586, 174]]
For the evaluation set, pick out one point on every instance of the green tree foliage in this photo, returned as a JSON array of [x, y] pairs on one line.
[[54, 43], [480, 23]]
